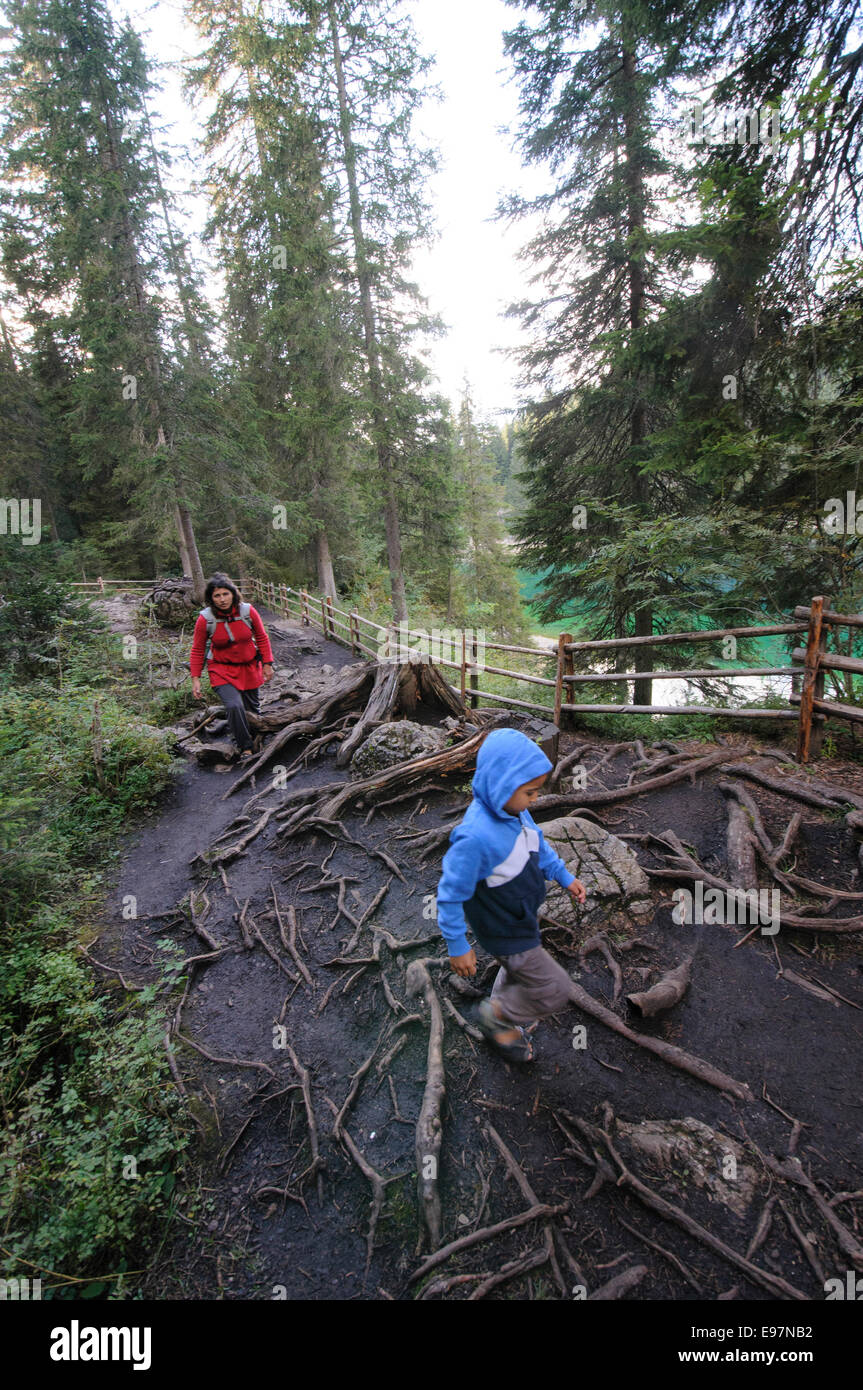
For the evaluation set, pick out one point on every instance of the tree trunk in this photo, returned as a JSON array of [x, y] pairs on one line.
[[635, 271], [383, 447], [197, 573], [181, 542], [150, 347], [326, 578]]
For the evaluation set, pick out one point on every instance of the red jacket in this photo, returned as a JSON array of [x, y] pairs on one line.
[[232, 663]]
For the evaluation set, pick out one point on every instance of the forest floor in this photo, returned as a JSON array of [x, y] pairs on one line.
[[269, 1223]]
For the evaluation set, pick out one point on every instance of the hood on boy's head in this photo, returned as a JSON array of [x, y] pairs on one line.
[[506, 760]]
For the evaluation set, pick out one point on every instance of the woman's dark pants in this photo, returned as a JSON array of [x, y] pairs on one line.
[[236, 703]]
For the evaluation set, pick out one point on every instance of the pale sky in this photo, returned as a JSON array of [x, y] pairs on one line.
[[471, 272]]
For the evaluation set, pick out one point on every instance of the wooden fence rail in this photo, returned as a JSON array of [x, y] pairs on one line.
[[808, 708], [100, 584]]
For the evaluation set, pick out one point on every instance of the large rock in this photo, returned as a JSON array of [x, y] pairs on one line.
[[396, 743], [618, 889], [171, 602], [693, 1152]]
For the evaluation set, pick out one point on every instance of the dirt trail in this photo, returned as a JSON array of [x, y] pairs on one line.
[[737, 1014]]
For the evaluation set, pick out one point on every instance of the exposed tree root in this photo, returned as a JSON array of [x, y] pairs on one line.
[[356, 1079], [517, 1173], [682, 865], [378, 1185], [674, 1056], [608, 798], [429, 1129], [289, 939], [619, 1285], [665, 993], [792, 1171], [600, 943], [533, 1213], [317, 1165], [765, 1221], [533, 1260], [667, 1254]]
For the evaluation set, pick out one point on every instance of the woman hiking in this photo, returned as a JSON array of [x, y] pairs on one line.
[[230, 637]]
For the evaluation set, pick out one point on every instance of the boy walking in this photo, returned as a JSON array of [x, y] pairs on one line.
[[494, 876]]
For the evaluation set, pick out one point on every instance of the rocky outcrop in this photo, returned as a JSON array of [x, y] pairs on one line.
[[618, 889], [690, 1151], [171, 602], [395, 743]]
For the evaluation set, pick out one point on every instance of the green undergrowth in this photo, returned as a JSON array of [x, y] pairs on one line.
[[92, 1133]]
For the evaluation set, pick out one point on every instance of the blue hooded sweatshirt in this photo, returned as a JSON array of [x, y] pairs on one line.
[[495, 869]]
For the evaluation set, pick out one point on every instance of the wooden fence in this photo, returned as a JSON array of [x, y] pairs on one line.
[[100, 585], [364, 636], [808, 707]]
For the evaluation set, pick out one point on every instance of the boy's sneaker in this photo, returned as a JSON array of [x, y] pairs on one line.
[[519, 1050]]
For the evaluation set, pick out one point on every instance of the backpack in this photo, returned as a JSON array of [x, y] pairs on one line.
[[245, 610]]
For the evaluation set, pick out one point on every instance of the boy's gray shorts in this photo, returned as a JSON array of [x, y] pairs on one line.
[[530, 985]]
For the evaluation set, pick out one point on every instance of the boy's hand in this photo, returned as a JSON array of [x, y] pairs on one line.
[[267, 672], [578, 890], [196, 688], [464, 965]]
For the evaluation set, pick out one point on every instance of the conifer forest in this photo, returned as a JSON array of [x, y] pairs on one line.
[[431, 458]]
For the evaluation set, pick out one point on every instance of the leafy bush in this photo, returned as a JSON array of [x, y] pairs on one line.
[[84, 1094], [56, 802], [83, 1080]]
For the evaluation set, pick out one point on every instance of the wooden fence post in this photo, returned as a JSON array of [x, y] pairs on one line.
[[474, 678], [463, 671], [332, 619], [558, 680], [324, 616], [283, 600], [354, 630], [809, 733]]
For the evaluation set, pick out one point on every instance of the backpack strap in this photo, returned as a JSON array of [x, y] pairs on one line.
[[211, 620]]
